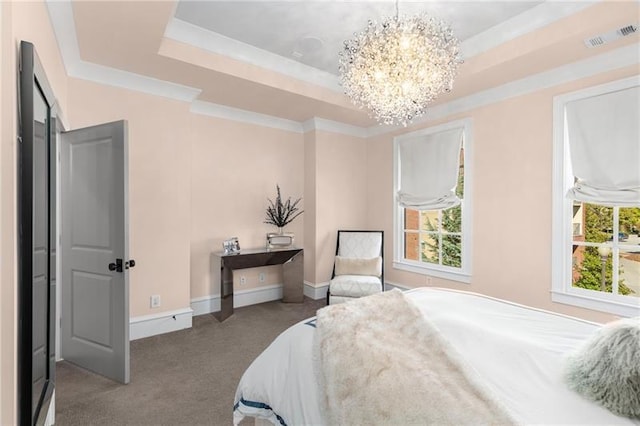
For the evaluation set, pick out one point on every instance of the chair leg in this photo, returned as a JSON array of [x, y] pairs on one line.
[[328, 295]]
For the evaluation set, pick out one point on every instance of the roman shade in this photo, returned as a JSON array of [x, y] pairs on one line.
[[604, 143], [429, 170]]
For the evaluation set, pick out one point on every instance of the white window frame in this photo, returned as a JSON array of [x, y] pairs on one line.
[[462, 274], [562, 290]]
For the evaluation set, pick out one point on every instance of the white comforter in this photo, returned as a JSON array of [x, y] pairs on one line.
[[518, 351]]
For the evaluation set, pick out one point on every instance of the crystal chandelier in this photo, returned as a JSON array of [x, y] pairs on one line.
[[397, 67]]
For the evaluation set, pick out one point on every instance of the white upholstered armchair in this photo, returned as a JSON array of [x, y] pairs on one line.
[[358, 266]]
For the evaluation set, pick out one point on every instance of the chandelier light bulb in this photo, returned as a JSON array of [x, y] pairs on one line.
[[397, 67]]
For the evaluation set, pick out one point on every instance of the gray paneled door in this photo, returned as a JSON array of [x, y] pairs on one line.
[[95, 282]]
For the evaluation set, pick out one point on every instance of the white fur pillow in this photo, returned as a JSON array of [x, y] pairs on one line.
[[606, 369], [351, 266]]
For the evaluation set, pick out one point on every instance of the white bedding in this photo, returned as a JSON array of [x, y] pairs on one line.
[[518, 351]]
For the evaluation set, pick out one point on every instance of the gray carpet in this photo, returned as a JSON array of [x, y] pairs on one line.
[[188, 377]]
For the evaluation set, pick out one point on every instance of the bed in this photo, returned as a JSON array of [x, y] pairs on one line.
[[517, 352]]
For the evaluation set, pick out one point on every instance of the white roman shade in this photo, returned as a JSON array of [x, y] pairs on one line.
[[604, 141], [429, 170]]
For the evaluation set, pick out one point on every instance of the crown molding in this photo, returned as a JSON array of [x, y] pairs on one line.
[[243, 116], [523, 23], [131, 81], [64, 27], [325, 125], [61, 15], [210, 41]]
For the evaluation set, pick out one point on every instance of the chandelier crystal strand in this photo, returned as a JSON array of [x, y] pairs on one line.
[[397, 67]]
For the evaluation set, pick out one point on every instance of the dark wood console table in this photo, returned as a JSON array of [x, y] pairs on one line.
[[223, 265]]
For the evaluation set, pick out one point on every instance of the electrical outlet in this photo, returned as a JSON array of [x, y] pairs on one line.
[[262, 277], [155, 301], [243, 280]]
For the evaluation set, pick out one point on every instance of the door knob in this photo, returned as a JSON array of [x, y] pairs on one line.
[[116, 266]]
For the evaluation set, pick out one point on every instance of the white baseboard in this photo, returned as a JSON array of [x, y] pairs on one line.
[[253, 296], [208, 304], [205, 305], [160, 323], [316, 291]]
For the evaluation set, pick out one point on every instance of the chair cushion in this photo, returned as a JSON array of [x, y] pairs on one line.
[[349, 266], [354, 285]]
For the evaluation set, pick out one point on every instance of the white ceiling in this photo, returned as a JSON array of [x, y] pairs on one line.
[[313, 32]]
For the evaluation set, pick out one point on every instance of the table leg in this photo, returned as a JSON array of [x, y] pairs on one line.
[[293, 277]]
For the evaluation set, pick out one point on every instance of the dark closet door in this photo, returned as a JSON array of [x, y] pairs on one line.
[[36, 240]]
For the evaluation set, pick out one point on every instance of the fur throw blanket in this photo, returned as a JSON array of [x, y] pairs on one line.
[[380, 362]]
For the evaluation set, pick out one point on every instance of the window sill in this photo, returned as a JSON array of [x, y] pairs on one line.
[[433, 272], [593, 302]]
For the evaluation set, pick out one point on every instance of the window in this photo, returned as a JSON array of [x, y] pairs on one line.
[[596, 200], [433, 204], [607, 257]]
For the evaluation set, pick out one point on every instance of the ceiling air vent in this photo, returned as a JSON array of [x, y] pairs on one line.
[[595, 41], [629, 29], [601, 39]]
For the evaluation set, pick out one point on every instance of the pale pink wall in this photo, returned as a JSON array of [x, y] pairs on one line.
[[341, 194], [310, 203], [27, 21], [159, 187], [335, 187], [193, 181], [512, 198], [234, 169]]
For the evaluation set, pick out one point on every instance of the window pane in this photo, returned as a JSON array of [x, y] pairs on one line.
[[411, 219], [430, 248], [629, 272], [460, 186], [452, 250], [430, 220], [577, 222], [598, 223], [452, 219], [630, 224], [590, 270], [411, 246]]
